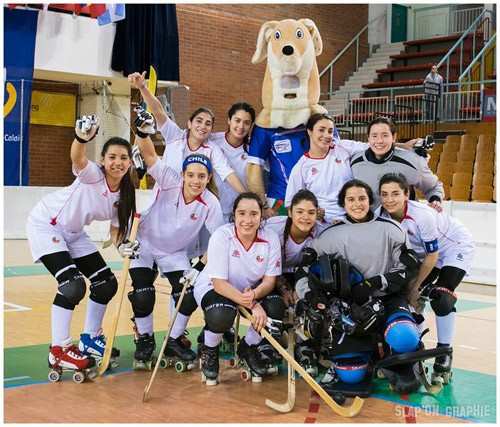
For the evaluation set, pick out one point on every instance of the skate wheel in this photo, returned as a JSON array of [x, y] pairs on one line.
[[256, 379], [78, 377], [380, 374], [163, 363], [211, 382], [273, 371], [54, 376], [245, 375], [180, 367]]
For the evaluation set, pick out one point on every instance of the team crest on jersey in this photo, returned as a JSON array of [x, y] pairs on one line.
[[259, 258], [55, 239], [236, 253], [460, 257], [314, 171], [338, 160], [278, 263], [193, 216], [244, 156], [105, 194]]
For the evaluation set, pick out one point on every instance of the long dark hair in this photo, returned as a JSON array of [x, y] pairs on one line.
[[244, 106], [126, 204], [299, 196]]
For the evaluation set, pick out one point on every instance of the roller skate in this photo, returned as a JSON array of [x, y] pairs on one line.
[[68, 358], [228, 340], [209, 364], [269, 357], [441, 371], [185, 341], [250, 362], [176, 355], [94, 347], [329, 381], [144, 358], [306, 357]]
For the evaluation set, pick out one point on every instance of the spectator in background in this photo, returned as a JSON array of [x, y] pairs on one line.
[[433, 88]]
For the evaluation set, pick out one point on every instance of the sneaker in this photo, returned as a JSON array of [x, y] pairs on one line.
[[92, 346]]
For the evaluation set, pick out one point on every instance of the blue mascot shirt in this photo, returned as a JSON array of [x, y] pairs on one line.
[[282, 148]]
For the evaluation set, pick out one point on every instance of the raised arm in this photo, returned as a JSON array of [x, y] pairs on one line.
[[85, 130], [138, 81], [144, 123]]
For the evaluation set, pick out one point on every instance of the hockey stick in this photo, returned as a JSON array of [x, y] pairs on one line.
[[290, 402], [121, 292], [145, 395], [343, 411]]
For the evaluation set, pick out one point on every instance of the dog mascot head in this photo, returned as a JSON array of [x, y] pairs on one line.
[[290, 92]]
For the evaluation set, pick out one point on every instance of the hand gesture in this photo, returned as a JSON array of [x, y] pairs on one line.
[[137, 80], [86, 128]]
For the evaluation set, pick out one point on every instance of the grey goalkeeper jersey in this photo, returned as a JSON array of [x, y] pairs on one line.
[[366, 167], [373, 247]]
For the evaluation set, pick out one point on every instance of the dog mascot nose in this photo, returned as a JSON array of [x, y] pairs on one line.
[[287, 50]]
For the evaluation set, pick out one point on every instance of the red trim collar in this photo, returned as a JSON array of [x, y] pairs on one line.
[[318, 158], [257, 239]]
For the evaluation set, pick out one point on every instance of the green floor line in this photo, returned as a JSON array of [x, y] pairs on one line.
[[471, 395], [39, 269]]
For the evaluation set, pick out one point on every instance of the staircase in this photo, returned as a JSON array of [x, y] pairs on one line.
[[366, 74]]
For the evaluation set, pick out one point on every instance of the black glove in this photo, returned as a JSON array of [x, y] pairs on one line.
[[309, 255], [362, 291], [316, 300]]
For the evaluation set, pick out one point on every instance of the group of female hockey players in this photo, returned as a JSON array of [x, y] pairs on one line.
[[355, 257]]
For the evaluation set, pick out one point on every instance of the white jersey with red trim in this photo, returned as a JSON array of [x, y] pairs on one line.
[[177, 149], [228, 259], [324, 176], [87, 199], [170, 224], [429, 231], [292, 249]]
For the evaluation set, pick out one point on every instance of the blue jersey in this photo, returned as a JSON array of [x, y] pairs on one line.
[[282, 148]]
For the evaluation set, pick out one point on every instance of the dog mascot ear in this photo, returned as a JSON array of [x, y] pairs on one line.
[[262, 40], [315, 35]]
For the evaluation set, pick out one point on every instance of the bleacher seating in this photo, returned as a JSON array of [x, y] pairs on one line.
[[467, 174]]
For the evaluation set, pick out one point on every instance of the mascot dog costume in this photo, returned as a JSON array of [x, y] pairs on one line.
[[290, 94]]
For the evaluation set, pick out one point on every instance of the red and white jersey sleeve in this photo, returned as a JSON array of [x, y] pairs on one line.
[[352, 147], [171, 131], [87, 199], [229, 260]]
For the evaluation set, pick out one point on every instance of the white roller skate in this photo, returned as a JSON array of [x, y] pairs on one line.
[[94, 346], [68, 358]]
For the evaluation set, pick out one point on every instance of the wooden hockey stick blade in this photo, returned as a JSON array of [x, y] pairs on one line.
[[290, 403], [121, 292], [147, 389], [343, 411]]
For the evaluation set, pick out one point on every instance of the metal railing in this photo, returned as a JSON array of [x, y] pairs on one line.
[[354, 41], [462, 19], [480, 57], [457, 102], [480, 27]]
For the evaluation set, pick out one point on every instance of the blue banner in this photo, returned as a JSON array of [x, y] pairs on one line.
[[19, 56]]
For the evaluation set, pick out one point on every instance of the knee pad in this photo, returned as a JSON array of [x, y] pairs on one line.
[[219, 317], [103, 287], [401, 332], [442, 300], [274, 306], [72, 286], [189, 304], [351, 368], [142, 300]]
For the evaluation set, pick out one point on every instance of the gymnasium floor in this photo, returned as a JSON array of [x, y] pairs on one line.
[[176, 398]]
